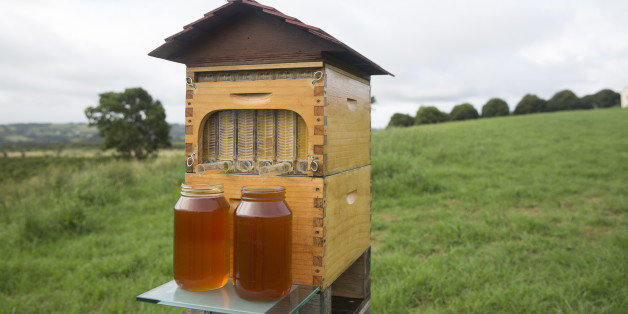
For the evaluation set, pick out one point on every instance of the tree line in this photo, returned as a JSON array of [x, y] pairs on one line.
[[496, 107]]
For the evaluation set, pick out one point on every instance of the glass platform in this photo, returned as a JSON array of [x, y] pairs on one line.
[[225, 299]]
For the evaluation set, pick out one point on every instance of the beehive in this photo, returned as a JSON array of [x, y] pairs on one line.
[[265, 90]]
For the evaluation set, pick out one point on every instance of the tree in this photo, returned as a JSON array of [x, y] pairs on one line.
[[428, 115], [58, 148], [373, 99], [495, 108], [530, 104], [464, 112], [605, 98], [400, 120], [130, 122], [565, 100]]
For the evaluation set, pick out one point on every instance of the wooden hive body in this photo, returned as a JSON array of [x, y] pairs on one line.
[[330, 232], [257, 58]]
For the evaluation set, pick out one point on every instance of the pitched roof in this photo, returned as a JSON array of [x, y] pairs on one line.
[[195, 32]]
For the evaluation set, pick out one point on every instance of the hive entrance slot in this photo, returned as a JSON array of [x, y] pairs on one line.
[[253, 141]]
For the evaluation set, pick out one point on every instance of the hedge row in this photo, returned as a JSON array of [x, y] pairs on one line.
[[563, 100]]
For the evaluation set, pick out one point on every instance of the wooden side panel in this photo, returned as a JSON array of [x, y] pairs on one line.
[[347, 221], [300, 195], [347, 122]]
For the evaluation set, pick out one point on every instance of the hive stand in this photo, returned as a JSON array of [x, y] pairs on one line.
[[350, 293]]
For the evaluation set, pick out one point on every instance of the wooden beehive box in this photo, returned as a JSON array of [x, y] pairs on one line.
[[247, 56]]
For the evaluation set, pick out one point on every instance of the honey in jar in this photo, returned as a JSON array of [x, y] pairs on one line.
[[262, 248], [201, 242]]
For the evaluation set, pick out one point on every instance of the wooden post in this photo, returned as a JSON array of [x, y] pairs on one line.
[[355, 282], [320, 303], [352, 289]]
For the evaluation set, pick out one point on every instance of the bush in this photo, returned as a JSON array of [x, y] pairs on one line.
[[530, 104], [605, 98], [495, 108], [464, 112], [566, 100], [429, 115], [400, 120]]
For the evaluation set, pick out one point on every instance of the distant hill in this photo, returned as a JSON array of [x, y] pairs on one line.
[[33, 134]]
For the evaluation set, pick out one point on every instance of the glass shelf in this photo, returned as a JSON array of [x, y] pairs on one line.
[[225, 299]]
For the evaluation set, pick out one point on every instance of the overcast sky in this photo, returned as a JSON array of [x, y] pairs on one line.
[[57, 56]]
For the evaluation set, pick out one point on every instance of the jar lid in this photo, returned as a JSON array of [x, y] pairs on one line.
[[202, 190], [263, 193]]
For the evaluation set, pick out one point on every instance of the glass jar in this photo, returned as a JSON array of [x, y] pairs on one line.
[[262, 244], [201, 238]]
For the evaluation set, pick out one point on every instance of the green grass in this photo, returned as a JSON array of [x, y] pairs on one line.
[[515, 214], [16, 169], [87, 241]]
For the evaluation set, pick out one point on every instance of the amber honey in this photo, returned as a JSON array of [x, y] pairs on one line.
[[201, 242], [262, 245]]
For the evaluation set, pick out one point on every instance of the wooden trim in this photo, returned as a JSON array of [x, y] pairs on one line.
[[319, 111], [318, 241], [319, 91], [318, 222], [319, 130], [245, 67], [318, 203], [319, 149], [317, 280], [317, 261]]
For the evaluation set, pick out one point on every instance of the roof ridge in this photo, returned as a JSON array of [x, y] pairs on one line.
[[257, 4]]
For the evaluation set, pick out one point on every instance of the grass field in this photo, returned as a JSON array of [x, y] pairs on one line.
[[515, 214]]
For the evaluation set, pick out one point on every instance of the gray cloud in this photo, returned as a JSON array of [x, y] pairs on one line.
[[57, 56]]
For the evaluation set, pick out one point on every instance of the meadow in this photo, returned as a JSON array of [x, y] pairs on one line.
[[513, 214]]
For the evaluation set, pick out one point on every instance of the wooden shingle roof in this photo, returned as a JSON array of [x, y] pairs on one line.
[[245, 31]]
